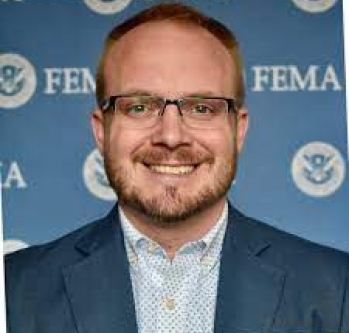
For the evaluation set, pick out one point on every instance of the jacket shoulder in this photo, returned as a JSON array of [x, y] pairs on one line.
[[55, 254], [292, 245], [309, 264]]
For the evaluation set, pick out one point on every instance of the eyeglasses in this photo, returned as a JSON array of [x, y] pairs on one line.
[[145, 111]]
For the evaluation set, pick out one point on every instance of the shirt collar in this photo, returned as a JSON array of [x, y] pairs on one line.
[[209, 245]]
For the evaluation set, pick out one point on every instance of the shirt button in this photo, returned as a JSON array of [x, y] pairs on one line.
[[133, 259], [207, 261], [169, 303], [152, 247]]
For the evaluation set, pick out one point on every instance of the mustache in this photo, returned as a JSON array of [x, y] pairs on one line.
[[183, 155]]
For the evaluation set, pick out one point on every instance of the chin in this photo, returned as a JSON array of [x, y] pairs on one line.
[[170, 205]]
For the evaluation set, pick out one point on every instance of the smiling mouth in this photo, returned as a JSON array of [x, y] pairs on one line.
[[172, 169]]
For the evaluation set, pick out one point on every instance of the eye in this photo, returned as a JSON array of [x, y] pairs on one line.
[[136, 108], [203, 109]]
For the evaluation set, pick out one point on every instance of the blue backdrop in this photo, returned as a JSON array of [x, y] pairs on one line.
[[292, 173]]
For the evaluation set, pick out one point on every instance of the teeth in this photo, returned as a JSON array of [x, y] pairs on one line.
[[177, 170]]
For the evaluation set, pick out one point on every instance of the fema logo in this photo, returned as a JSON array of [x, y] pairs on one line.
[[95, 177], [318, 169], [315, 6], [17, 80], [107, 6]]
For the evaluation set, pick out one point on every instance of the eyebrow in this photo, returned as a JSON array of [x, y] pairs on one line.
[[137, 92], [204, 93]]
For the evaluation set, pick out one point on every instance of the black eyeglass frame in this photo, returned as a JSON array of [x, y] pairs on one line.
[[110, 102]]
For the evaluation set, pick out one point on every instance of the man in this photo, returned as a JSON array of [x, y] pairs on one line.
[[173, 255]]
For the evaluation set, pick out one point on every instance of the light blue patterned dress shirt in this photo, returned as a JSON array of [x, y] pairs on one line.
[[177, 296]]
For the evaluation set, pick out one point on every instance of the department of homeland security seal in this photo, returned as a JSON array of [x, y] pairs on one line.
[[315, 6], [318, 169], [95, 177], [107, 6], [17, 80]]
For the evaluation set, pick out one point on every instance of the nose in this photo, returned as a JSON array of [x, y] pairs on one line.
[[171, 131]]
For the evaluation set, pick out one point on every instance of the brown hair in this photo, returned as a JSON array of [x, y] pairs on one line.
[[182, 14]]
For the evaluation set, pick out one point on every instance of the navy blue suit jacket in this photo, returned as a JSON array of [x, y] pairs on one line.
[[269, 281]]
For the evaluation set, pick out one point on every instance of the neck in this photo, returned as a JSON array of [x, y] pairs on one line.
[[172, 236]]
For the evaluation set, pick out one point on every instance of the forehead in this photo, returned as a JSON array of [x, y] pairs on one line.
[[169, 55]]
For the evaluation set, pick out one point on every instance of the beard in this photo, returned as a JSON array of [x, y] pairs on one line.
[[173, 203]]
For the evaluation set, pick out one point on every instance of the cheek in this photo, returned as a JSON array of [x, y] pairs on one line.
[[219, 143], [123, 143]]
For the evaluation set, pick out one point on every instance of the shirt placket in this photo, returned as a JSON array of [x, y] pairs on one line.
[[179, 284]]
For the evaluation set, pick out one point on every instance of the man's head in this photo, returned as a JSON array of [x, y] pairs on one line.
[[182, 162]]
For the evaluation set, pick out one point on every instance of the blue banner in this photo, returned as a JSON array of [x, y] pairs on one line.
[[293, 169]]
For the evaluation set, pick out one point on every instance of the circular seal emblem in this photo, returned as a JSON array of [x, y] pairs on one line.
[[17, 80], [315, 6], [318, 169], [107, 6], [95, 177], [12, 245]]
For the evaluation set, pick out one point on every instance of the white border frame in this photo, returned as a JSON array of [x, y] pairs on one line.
[[346, 57], [2, 280]]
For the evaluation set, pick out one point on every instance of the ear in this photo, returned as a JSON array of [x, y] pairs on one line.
[[98, 129], [242, 127]]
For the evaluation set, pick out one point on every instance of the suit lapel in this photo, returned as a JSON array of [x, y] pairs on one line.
[[249, 290], [99, 286]]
